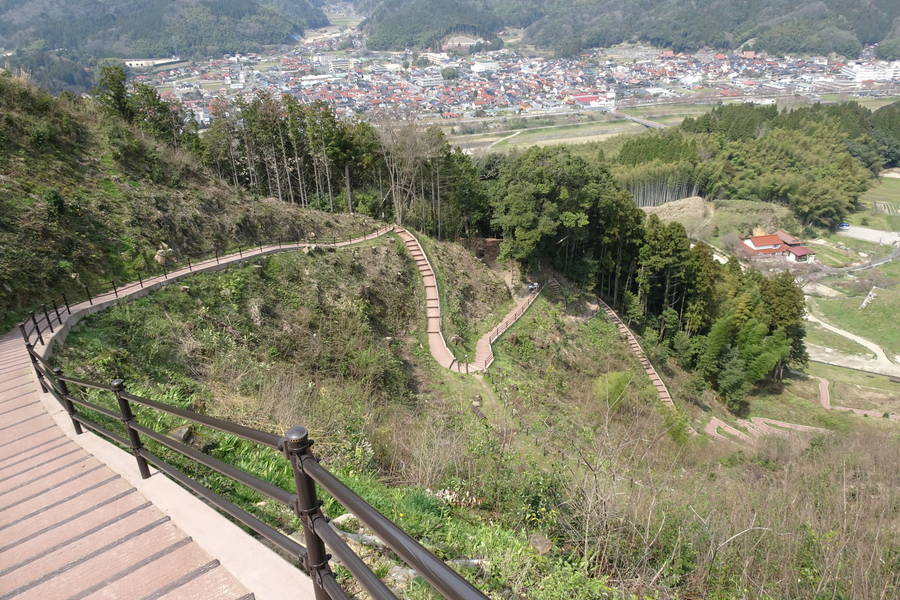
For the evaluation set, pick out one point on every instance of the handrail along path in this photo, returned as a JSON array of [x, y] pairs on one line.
[[295, 444]]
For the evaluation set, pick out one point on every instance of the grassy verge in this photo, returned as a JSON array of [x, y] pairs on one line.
[[881, 206], [872, 322], [819, 336]]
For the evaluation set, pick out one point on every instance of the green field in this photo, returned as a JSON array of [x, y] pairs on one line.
[[877, 322], [579, 133], [819, 336], [854, 377], [830, 255], [870, 103], [885, 193], [798, 402], [664, 110]]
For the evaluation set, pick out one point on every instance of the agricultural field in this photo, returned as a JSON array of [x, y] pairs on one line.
[[881, 206], [546, 135]]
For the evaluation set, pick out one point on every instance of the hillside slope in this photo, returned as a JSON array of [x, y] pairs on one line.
[[154, 27], [568, 25], [85, 199]]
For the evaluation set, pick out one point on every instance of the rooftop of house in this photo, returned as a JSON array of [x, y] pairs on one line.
[[787, 238], [765, 240], [779, 242]]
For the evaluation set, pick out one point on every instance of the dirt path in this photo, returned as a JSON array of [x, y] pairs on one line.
[[503, 139], [880, 364]]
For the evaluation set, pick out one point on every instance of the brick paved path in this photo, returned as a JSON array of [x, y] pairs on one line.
[[72, 528]]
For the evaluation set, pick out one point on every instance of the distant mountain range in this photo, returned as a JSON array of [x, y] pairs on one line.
[[150, 28], [566, 26]]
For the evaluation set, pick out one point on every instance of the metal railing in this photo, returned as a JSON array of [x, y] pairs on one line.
[[42, 319], [295, 446]]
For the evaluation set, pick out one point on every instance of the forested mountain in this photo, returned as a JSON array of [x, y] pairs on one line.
[[84, 192], [154, 27], [566, 26], [817, 160]]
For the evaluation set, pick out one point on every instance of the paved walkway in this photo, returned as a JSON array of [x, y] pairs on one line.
[[437, 344], [661, 390], [825, 401], [756, 426], [70, 527]]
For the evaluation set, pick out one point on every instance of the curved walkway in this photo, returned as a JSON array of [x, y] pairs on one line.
[[76, 519], [825, 401], [756, 427], [71, 527], [881, 360], [437, 344]]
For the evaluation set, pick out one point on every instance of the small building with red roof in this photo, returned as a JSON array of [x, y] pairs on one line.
[[779, 243]]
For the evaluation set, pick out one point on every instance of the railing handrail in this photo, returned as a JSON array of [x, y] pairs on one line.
[[295, 445], [40, 320]]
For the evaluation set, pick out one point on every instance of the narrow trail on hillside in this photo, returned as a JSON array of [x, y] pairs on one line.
[[661, 390], [756, 427], [438, 347], [825, 401]]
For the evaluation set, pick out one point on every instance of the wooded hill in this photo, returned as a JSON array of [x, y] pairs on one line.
[[84, 193], [566, 26], [89, 188], [149, 28]]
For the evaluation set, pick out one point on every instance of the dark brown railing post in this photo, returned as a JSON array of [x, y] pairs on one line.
[[140, 280], [217, 255], [165, 271], [67, 404], [190, 266], [37, 329], [47, 317], [115, 289], [296, 444], [87, 291], [66, 302], [58, 318], [30, 348], [134, 440]]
